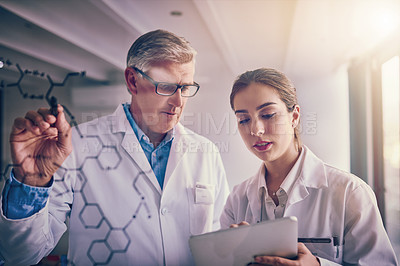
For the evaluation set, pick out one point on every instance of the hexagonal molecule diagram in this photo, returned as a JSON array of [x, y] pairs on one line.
[[116, 240]]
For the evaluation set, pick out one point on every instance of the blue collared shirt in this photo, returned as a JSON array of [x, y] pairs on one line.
[[157, 157], [21, 201]]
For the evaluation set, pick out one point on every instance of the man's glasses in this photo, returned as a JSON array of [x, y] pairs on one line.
[[168, 89]]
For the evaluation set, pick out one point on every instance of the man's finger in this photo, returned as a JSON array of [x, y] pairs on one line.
[[21, 124], [63, 127], [38, 120], [46, 114]]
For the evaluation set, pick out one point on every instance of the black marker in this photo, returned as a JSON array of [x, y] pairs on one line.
[[53, 106]]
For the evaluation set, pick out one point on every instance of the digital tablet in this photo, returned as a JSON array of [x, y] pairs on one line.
[[238, 246]]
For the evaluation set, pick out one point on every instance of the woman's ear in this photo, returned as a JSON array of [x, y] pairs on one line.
[[295, 116], [130, 79]]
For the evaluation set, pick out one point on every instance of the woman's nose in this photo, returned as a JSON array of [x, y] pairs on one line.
[[257, 128]]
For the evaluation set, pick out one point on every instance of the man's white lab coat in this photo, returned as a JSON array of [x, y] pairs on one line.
[[118, 213], [328, 203]]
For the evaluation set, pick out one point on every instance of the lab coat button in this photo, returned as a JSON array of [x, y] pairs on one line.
[[163, 211]]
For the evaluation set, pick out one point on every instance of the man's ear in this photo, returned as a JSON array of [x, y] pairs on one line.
[[130, 79]]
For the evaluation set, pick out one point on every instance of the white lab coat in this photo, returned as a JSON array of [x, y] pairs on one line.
[[328, 203], [118, 213]]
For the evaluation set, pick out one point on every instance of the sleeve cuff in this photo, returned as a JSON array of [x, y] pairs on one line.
[[21, 201]]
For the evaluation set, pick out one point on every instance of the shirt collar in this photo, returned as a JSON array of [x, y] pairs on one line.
[[293, 174], [289, 180], [141, 136]]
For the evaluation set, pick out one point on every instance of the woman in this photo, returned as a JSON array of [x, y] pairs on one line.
[[328, 203]]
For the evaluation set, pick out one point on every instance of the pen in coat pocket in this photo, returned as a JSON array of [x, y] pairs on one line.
[[322, 240]]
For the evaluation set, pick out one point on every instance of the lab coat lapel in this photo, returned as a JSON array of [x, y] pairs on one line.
[[298, 193], [132, 146], [312, 175], [253, 195], [180, 146]]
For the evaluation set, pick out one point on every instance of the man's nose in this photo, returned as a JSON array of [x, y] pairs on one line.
[[176, 98]]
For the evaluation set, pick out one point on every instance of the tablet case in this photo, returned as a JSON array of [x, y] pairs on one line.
[[238, 246]]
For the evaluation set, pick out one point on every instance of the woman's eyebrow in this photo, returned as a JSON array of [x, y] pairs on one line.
[[241, 111], [257, 108], [264, 105]]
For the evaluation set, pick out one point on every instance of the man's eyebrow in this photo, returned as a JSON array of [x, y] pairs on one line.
[[257, 108]]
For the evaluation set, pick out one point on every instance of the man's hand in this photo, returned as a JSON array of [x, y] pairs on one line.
[[40, 143], [304, 257]]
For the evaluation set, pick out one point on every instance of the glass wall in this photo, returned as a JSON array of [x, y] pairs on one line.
[[391, 147]]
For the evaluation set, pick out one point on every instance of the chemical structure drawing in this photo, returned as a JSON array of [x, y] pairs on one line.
[[91, 215]]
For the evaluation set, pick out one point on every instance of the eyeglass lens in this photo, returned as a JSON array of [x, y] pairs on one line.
[[169, 89]]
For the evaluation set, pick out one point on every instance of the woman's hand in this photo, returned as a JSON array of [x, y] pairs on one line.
[[304, 257], [237, 225], [40, 143]]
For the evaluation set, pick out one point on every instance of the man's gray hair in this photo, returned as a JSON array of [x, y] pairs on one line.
[[159, 46]]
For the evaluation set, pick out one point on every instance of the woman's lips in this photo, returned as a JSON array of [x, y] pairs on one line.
[[262, 145]]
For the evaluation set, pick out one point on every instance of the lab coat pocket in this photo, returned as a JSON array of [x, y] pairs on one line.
[[328, 248], [201, 199]]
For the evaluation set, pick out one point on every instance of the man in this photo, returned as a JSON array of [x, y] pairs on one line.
[[135, 185]]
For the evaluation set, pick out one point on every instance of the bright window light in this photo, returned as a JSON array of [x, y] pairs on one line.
[[391, 147], [384, 21]]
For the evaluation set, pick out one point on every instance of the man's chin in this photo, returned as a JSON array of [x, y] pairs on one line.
[[166, 127], [169, 122]]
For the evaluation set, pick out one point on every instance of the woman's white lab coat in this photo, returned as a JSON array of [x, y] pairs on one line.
[[328, 203], [118, 213]]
